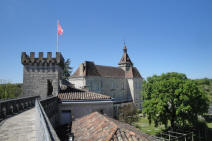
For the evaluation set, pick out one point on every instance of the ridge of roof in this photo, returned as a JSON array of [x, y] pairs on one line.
[[106, 71], [96, 126], [109, 66]]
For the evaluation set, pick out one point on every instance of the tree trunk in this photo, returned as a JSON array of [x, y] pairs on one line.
[[172, 124], [173, 117]]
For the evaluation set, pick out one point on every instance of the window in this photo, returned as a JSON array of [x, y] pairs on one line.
[[113, 86], [66, 117], [49, 87], [101, 111], [123, 86], [99, 86], [137, 85], [91, 87]]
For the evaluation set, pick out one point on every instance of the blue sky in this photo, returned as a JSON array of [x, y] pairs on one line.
[[161, 35]]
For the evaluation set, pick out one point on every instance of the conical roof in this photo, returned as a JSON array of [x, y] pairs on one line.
[[125, 59]]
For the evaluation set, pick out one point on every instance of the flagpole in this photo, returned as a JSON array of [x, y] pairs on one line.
[[57, 36], [57, 43]]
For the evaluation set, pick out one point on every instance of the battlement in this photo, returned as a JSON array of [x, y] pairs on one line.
[[41, 59]]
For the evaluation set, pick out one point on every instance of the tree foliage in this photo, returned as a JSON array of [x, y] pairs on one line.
[[174, 98], [67, 69], [206, 85], [10, 90]]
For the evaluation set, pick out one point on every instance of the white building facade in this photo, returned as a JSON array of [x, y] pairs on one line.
[[123, 83]]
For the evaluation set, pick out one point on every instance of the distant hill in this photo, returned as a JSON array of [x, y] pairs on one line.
[[206, 85], [10, 90]]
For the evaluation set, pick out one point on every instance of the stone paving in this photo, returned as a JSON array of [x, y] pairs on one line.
[[21, 127]]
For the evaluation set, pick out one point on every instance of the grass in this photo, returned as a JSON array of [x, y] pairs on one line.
[[208, 120], [209, 124], [144, 126]]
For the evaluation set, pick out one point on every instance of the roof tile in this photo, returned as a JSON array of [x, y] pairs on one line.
[[90, 69], [102, 128], [83, 96]]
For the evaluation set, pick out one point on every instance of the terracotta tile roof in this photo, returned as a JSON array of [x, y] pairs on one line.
[[108, 71], [77, 73], [83, 95], [136, 73], [86, 69], [68, 89], [132, 73], [95, 127], [90, 69]]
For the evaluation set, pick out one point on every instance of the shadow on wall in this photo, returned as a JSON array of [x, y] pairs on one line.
[[126, 111]]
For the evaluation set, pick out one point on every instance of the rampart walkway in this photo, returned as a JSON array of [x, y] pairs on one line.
[[21, 127]]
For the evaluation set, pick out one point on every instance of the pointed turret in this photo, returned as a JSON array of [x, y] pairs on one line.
[[125, 61]]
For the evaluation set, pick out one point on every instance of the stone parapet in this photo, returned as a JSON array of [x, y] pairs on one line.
[[14, 106], [48, 113], [50, 106], [41, 60]]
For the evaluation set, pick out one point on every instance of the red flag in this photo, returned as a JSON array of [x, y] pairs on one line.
[[59, 29]]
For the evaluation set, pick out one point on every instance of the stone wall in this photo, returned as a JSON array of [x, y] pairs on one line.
[[122, 110], [15, 106], [35, 82], [118, 88], [38, 72], [135, 86], [80, 109], [50, 107], [78, 82], [46, 119]]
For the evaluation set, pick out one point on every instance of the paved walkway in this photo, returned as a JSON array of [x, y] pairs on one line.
[[20, 127]]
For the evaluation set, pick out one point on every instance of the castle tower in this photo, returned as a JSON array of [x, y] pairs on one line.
[[133, 78], [41, 75], [125, 62]]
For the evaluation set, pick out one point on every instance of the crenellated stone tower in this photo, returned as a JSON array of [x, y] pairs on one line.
[[42, 75]]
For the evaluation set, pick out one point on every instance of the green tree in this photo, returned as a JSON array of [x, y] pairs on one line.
[[67, 69], [174, 98], [10, 90]]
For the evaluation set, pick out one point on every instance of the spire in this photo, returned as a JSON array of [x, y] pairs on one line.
[[125, 59], [125, 48]]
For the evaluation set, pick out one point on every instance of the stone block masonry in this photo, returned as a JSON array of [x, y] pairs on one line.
[[42, 74], [17, 129]]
